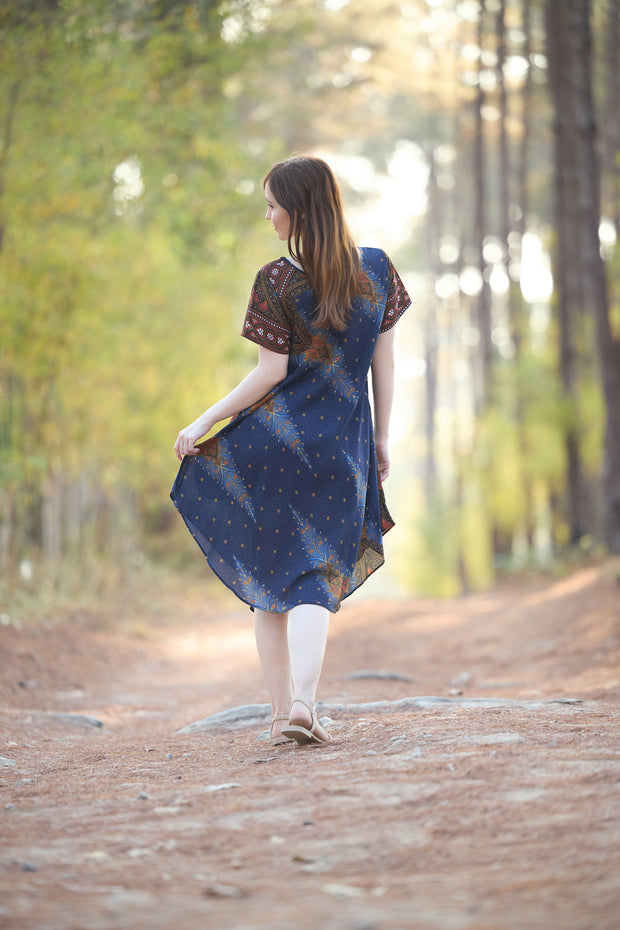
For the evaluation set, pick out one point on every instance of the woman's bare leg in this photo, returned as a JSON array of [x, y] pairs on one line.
[[308, 626], [272, 645]]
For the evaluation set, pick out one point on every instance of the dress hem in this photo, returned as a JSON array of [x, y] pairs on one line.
[[207, 552]]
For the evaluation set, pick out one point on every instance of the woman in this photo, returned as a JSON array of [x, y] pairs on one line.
[[286, 500]]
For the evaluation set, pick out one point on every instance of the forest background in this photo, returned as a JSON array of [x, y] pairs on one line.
[[477, 142]]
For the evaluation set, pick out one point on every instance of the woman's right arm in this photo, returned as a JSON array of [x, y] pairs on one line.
[[271, 369], [382, 373]]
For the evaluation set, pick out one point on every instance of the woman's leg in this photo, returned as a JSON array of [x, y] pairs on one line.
[[308, 626], [272, 645]]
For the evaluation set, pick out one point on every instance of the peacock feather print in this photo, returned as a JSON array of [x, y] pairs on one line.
[[373, 293], [322, 556], [358, 476], [255, 593], [220, 465], [323, 352], [274, 416], [372, 529]]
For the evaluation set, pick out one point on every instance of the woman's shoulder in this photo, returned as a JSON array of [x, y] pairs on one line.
[[376, 262], [374, 256], [278, 271], [277, 277], [278, 266]]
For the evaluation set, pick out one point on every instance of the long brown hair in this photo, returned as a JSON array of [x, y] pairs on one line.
[[319, 238]]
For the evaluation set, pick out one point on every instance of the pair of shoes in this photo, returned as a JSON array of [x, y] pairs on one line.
[[279, 740], [296, 729]]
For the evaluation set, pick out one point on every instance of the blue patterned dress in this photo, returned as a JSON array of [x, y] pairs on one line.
[[285, 500]]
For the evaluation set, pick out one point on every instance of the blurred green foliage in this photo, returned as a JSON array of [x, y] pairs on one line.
[[133, 141]]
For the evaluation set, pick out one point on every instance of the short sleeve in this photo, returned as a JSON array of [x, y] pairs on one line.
[[397, 299], [265, 321]]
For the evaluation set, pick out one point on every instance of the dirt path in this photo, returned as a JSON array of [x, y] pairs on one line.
[[488, 801]]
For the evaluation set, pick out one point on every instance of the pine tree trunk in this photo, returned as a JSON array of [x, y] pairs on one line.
[[480, 221], [518, 317], [51, 518], [568, 260], [7, 510], [504, 156], [611, 123], [581, 272], [594, 275], [526, 118]]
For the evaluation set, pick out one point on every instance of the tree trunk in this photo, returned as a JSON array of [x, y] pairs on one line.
[[504, 157], [581, 272], [51, 517], [526, 117], [568, 260], [518, 318], [7, 511], [611, 123], [594, 276], [484, 298]]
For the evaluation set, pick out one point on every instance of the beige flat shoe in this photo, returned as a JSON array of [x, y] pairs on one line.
[[297, 729], [279, 740]]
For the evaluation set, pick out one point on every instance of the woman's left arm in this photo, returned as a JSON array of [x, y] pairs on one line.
[[382, 373], [271, 369]]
